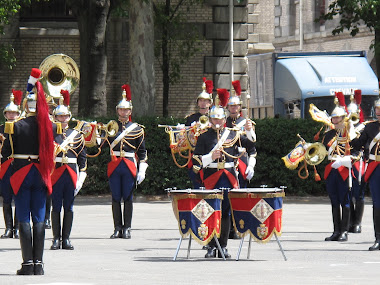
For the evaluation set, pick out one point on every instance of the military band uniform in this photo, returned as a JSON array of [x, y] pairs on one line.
[[337, 186], [127, 152], [370, 137], [6, 170], [70, 164], [30, 193], [226, 175], [239, 123]]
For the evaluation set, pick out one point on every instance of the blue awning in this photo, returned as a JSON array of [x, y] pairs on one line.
[[303, 77]]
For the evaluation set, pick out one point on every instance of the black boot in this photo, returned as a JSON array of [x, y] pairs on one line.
[[27, 266], [56, 225], [38, 247], [116, 213], [7, 210], [352, 216], [376, 225], [47, 213], [211, 252], [15, 227], [128, 210], [66, 230], [344, 224], [225, 252], [358, 215], [336, 222]]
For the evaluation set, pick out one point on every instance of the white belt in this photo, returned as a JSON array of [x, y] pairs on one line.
[[373, 157], [226, 165], [124, 154], [66, 159], [26, 156]]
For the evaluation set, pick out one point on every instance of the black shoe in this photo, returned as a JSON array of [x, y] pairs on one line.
[[38, 268], [47, 224], [211, 252], [15, 234], [116, 234], [56, 244], [225, 252], [333, 237], [233, 235], [66, 244], [356, 229], [376, 246], [126, 233], [26, 269], [8, 233], [343, 236]]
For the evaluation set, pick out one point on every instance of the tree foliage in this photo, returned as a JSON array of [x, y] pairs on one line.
[[8, 9], [354, 14]]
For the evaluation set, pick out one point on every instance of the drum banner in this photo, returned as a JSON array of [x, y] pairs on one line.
[[259, 214], [198, 215], [293, 158]]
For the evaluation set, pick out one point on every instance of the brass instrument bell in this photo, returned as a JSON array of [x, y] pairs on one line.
[[315, 153]]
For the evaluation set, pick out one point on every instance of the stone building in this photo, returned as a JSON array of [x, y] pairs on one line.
[[260, 28]]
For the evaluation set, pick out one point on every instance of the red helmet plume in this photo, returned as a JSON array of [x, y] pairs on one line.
[[17, 96], [127, 90], [237, 87], [223, 97], [66, 97]]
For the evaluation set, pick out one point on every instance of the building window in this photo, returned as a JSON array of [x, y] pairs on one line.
[[319, 10], [53, 10]]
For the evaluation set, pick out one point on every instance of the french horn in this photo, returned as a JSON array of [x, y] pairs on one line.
[[59, 72], [315, 153]]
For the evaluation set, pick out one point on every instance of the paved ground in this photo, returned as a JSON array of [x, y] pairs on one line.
[[147, 257]]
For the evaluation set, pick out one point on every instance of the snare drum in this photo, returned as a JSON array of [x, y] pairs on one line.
[[198, 213], [257, 211]]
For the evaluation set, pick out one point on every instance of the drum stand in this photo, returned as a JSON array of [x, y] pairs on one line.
[[249, 247], [188, 248]]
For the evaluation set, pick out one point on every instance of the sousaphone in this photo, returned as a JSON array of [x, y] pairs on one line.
[[59, 72]]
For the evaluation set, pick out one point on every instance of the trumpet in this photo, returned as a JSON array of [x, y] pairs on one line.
[[109, 130]]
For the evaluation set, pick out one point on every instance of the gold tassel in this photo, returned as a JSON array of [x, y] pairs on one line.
[[9, 128], [59, 128]]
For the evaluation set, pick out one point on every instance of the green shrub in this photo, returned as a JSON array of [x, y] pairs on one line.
[[275, 138]]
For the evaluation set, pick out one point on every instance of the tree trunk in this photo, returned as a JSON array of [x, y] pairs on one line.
[[165, 63], [141, 26], [377, 51], [92, 19]]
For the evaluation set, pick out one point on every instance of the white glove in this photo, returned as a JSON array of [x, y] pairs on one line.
[[81, 177], [180, 126], [342, 161], [250, 172], [141, 174], [251, 135], [250, 168]]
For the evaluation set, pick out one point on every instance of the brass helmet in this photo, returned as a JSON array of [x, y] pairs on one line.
[[207, 88], [63, 107], [217, 111], [377, 103], [31, 96], [340, 109], [235, 99], [353, 107], [126, 102], [15, 101]]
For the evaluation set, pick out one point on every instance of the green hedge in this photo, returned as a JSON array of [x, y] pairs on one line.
[[275, 138]]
